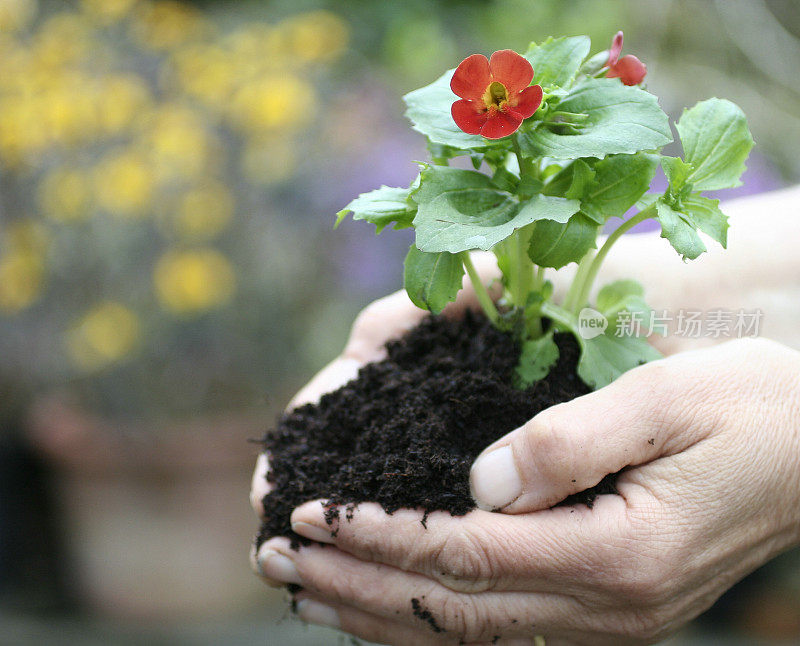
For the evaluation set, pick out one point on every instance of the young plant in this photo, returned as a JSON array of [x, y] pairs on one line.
[[553, 163]]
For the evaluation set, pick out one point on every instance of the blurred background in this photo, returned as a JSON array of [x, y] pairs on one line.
[[169, 175]]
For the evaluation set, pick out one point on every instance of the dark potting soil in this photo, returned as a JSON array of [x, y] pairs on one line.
[[405, 432]]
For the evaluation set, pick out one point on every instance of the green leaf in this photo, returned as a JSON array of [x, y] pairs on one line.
[[621, 119], [680, 231], [716, 142], [381, 207], [571, 181], [435, 180], [555, 244], [440, 154], [475, 218], [619, 182], [709, 219], [429, 112], [677, 171], [605, 357], [432, 280], [460, 210], [647, 200], [621, 296], [613, 296], [545, 207], [505, 180], [557, 61], [535, 360]]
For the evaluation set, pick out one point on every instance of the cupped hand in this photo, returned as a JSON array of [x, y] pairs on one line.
[[708, 444], [694, 516]]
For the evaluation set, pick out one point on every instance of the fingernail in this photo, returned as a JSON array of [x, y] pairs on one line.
[[494, 479], [277, 567], [313, 532], [314, 612]]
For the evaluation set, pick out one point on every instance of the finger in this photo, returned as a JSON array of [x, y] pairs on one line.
[[358, 623], [257, 557], [570, 447], [480, 551], [259, 486], [408, 598], [334, 375], [321, 612]]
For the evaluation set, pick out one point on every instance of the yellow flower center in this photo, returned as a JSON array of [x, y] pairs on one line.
[[496, 95]]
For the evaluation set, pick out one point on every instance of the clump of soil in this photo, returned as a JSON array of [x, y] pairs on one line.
[[405, 432]]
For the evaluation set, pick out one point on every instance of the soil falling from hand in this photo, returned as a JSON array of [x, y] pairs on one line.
[[406, 431]]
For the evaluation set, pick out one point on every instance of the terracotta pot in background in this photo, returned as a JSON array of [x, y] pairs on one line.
[[157, 520]]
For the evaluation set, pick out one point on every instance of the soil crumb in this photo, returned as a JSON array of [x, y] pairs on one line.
[[425, 615], [405, 432]]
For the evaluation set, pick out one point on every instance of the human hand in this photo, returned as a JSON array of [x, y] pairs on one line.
[[711, 490]]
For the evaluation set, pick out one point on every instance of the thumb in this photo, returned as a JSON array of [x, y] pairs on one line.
[[570, 447]]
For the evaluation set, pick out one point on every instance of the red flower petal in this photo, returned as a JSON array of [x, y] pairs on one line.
[[468, 117], [501, 123], [629, 69], [616, 49], [529, 101], [511, 69], [471, 77]]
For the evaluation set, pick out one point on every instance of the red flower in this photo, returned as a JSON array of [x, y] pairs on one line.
[[629, 69], [495, 96]]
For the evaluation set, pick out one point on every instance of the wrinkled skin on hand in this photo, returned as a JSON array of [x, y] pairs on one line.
[[708, 439]]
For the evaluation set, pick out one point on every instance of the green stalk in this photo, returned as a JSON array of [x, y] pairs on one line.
[[573, 293], [518, 153], [485, 301], [594, 268], [538, 278], [524, 266]]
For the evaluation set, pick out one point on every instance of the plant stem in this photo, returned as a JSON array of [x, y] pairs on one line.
[[486, 302], [524, 268], [518, 153], [538, 280], [573, 293], [594, 267]]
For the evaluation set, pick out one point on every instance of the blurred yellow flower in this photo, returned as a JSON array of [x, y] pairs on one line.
[[207, 72], [317, 36], [176, 141], [189, 282], [107, 333], [122, 99], [69, 109], [274, 102], [203, 212], [258, 46], [62, 39], [107, 11], [166, 24], [65, 195], [16, 14], [21, 279], [124, 184], [23, 131]]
